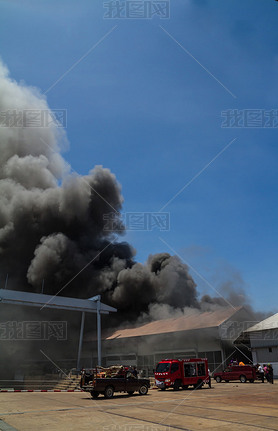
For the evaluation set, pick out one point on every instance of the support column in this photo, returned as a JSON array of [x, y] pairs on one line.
[[80, 340], [98, 331]]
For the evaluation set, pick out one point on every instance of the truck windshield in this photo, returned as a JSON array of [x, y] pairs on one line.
[[163, 367]]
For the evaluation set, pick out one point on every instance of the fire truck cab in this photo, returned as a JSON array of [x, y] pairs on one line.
[[181, 373]]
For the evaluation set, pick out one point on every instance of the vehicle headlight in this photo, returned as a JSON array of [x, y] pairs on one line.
[[167, 380]]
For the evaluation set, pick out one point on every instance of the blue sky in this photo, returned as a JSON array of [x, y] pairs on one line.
[[141, 105]]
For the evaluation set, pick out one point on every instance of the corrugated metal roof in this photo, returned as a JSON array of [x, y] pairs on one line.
[[269, 323], [196, 320]]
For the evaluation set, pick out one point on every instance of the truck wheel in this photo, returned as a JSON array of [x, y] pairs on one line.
[[109, 392], [218, 379], [251, 381], [163, 389], [176, 385], [94, 394], [130, 392], [143, 390], [242, 378], [185, 387]]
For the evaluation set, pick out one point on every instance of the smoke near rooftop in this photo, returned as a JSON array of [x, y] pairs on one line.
[[53, 224]]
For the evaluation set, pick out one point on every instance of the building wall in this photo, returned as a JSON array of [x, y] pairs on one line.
[[267, 354], [146, 352], [264, 346]]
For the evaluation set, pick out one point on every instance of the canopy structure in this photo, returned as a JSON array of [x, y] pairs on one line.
[[90, 305]]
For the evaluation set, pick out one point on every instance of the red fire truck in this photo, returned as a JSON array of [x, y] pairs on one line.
[[181, 373]]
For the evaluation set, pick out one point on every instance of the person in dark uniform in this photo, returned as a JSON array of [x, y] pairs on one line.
[[270, 373], [135, 372]]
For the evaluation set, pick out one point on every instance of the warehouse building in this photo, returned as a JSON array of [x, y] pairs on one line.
[[209, 334], [263, 340]]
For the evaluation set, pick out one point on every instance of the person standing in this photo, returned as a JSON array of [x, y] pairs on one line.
[[261, 373], [266, 374], [209, 378], [270, 373]]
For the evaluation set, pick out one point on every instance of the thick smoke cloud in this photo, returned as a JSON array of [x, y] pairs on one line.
[[55, 226], [53, 223]]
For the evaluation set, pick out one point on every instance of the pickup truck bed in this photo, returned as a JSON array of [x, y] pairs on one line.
[[107, 386]]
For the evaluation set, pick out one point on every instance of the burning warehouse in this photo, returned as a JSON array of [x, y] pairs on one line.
[[195, 334], [57, 237]]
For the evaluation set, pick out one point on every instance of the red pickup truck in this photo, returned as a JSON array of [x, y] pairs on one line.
[[237, 372]]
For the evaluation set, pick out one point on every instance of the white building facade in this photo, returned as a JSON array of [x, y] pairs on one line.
[[263, 338]]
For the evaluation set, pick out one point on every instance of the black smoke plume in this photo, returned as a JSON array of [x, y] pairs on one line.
[[56, 227], [55, 224]]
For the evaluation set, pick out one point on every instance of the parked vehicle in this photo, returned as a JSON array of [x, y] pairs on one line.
[[181, 373], [106, 381], [237, 372]]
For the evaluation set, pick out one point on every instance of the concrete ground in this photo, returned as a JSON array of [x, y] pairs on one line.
[[227, 406]]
